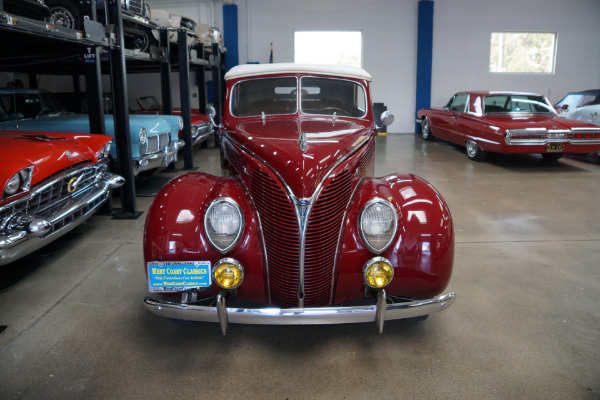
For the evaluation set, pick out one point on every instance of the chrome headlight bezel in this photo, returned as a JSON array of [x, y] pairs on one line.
[[18, 183], [366, 216], [224, 244], [180, 124], [104, 151]]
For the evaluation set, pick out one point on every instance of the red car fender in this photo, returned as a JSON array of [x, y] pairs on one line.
[[422, 250], [175, 230]]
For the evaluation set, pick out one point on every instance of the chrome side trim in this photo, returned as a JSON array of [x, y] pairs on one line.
[[550, 136], [301, 316]]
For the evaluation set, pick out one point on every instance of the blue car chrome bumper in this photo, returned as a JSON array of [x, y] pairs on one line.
[[378, 313]]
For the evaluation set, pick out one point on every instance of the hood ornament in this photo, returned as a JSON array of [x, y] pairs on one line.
[[69, 155], [303, 142]]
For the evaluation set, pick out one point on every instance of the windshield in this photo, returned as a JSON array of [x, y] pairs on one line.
[[579, 100], [15, 106], [516, 104], [279, 96]]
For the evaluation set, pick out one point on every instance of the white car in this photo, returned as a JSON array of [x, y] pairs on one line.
[[170, 20], [583, 105]]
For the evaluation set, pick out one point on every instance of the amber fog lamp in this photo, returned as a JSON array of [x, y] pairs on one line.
[[378, 273], [228, 273], [377, 224]]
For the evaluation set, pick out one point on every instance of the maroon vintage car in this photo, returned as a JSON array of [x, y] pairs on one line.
[[51, 183], [507, 122], [299, 232]]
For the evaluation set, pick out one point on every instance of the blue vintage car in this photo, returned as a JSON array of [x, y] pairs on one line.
[[154, 138]]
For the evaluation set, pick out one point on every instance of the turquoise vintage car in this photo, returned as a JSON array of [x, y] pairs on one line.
[[154, 138]]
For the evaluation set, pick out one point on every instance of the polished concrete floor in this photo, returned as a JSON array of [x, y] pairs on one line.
[[526, 323]]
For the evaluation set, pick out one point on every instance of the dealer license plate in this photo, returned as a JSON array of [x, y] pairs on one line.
[[555, 147], [178, 276]]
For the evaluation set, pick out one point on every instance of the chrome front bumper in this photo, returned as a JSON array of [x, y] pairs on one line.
[[159, 159], [39, 230], [377, 313]]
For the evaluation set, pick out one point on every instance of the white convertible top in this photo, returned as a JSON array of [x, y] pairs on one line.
[[249, 70]]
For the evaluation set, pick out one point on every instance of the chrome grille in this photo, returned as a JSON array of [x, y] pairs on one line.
[[157, 142], [135, 6], [367, 157], [53, 192], [233, 157], [282, 238], [323, 230]]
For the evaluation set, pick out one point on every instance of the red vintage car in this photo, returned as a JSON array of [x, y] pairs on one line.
[[51, 183], [300, 232], [507, 122]]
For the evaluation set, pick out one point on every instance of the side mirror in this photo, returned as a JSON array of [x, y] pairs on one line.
[[211, 114], [387, 118]]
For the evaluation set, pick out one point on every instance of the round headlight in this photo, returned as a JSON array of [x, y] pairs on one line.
[[143, 136], [228, 273], [223, 222], [180, 124], [378, 272], [13, 184], [378, 224]]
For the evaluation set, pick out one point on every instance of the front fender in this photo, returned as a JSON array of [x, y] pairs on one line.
[[422, 250], [175, 231]]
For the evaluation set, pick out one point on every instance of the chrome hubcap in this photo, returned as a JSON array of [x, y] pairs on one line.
[[471, 148]]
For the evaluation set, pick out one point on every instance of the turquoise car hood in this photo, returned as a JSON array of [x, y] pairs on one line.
[[80, 123]]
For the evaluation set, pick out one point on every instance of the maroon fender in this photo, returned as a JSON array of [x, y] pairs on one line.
[[422, 251], [175, 228]]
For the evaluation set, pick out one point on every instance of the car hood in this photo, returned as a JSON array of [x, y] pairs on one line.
[[278, 144], [48, 153], [80, 123], [512, 121]]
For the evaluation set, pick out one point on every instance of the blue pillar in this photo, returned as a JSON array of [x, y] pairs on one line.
[[424, 57], [230, 35]]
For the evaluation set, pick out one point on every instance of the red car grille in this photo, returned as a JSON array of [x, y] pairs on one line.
[[282, 239], [324, 226]]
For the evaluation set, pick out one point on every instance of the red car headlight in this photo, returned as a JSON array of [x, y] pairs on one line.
[[223, 222], [378, 223]]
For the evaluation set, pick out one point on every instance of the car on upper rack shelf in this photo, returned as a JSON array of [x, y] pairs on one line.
[[583, 106], [51, 183], [154, 138], [297, 230], [507, 122], [138, 30], [167, 19], [34, 9]]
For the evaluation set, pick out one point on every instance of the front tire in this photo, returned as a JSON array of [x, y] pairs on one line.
[[426, 130], [474, 152], [65, 14]]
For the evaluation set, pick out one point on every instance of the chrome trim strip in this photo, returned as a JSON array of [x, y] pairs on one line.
[[301, 316]]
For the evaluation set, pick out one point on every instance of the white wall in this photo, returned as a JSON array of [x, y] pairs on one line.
[[389, 30], [461, 45]]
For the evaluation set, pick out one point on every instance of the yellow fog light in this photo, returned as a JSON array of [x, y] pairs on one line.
[[378, 272], [228, 273]]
